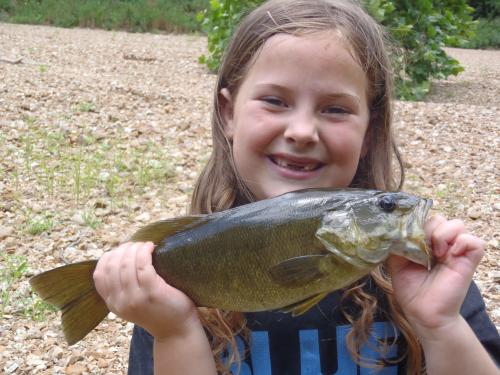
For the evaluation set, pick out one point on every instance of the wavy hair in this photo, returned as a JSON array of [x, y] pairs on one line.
[[220, 187]]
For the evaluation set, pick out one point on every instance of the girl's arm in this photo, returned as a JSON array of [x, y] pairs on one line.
[[432, 300], [131, 288]]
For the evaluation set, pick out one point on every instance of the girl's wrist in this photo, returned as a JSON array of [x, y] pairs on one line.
[[443, 332], [190, 325]]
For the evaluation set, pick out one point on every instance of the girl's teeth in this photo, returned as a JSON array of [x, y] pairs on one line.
[[284, 164]]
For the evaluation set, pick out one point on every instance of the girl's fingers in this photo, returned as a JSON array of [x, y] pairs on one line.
[[146, 274], [432, 224], [127, 267], [100, 280], [445, 234], [470, 246]]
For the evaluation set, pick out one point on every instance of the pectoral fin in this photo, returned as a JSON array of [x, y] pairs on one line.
[[295, 272], [302, 307]]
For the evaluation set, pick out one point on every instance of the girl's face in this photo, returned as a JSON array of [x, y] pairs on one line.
[[299, 117]]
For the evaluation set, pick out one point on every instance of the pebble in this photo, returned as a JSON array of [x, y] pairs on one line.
[[34, 360], [5, 232], [75, 369], [474, 213], [9, 369], [56, 352], [78, 218], [143, 218], [493, 243], [495, 275], [102, 363]]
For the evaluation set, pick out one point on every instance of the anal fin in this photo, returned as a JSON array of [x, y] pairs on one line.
[[303, 306]]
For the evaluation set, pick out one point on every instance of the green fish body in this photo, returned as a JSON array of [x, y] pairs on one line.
[[286, 252]]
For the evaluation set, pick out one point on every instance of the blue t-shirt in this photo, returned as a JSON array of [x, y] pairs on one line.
[[314, 343]]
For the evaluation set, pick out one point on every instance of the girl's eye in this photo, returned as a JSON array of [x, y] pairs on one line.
[[336, 110], [274, 101]]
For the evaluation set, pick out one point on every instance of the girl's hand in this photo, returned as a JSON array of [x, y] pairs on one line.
[[128, 283], [433, 299]]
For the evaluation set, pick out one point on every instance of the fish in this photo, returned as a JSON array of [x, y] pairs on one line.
[[283, 253]]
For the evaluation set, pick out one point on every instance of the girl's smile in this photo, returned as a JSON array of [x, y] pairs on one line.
[[300, 115], [295, 167]]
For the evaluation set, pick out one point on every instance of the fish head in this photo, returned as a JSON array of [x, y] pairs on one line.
[[367, 230]]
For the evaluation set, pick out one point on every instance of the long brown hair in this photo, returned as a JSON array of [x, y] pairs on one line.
[[219, 186]]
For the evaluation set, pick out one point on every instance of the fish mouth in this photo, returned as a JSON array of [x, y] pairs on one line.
[[297, 164]]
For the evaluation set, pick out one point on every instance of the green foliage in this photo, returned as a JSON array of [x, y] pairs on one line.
[[487, 34], [219, 22], [136, 15], [13, 269], [485, 8], [419, 29]]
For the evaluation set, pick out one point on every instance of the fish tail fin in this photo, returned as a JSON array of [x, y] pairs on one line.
[[71, 289]]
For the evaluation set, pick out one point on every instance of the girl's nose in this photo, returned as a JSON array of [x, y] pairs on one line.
[[302, 130]]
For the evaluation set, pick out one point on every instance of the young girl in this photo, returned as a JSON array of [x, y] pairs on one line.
[[303, 100]]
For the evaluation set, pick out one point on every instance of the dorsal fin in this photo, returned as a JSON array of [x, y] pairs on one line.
[[158, 231]]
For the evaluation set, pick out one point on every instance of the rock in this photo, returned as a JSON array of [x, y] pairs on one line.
[[75, 369], [11, 368], [102, 363], [495, 275], [56, 353], [143, 218], [493, 243], [474, 213], [34, 360], [73, 359], [78, 218], [112, 239], [5, 232]]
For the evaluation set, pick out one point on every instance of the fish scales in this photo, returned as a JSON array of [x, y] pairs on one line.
[[258, 238]]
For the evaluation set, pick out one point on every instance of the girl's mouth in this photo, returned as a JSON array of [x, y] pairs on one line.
[[296, 164]]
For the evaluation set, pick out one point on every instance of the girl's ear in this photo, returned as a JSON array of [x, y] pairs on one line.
[[226, 109]]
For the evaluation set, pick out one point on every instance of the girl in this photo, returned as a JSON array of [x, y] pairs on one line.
[[303, 101]]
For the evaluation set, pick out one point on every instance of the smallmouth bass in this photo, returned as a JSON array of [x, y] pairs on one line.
[[286, 252]]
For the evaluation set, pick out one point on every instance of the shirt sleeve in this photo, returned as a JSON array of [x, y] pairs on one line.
[[140, 360], [474, 312]]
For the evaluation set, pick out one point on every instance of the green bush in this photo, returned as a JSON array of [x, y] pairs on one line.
[[419, 29], [485, 8], [487, 34], [219, 22], [132, 15]]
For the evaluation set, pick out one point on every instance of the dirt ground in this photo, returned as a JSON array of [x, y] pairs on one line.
[[101, 132]]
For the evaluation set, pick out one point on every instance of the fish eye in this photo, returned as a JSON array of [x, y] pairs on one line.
[[387, 203]]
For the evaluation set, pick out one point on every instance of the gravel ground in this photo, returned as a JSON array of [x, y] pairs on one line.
[[101, 132]]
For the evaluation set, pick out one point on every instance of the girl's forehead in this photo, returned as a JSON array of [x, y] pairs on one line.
[[325, 52], [318, 44]]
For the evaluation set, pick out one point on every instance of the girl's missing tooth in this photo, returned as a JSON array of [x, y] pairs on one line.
[[303, 100]]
